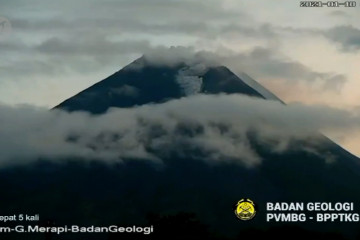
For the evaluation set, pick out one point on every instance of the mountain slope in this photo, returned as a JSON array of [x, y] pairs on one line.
[[141, 192], [134, 85], [256, 86]]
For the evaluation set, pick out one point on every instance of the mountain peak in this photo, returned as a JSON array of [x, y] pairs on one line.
[[142, 82]]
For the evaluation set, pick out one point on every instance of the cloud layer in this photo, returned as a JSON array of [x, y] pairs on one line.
[[217, 126], [65, 43]]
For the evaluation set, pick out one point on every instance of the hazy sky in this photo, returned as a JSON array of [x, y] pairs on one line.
[[57, 48]]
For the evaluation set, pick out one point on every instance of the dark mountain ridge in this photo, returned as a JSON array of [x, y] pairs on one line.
[[149, 83]]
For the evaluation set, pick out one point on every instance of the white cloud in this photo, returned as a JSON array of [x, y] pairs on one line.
[[190, 80], [217, 126]]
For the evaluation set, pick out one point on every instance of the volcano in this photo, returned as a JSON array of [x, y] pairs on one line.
[[142, 83], [185, 198]]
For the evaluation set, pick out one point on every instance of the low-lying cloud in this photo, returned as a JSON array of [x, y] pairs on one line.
[[217, 126]]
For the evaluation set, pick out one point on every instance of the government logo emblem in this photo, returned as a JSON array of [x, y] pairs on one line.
[[245, 209]]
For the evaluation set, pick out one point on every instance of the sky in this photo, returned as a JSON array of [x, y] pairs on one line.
[[50, 50]]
